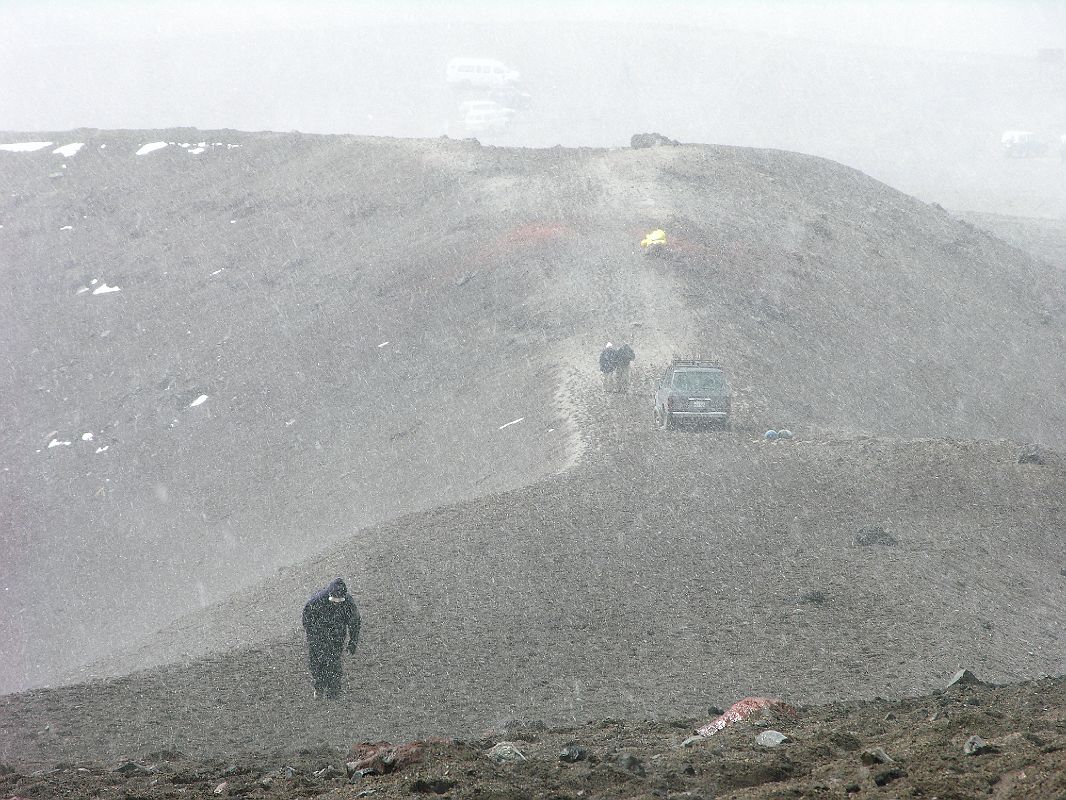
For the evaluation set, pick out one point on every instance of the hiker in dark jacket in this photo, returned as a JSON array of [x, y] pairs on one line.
[[329, 617], [607, 365], [623, 357]]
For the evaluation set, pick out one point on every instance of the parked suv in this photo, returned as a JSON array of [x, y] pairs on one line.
[[693, 390]]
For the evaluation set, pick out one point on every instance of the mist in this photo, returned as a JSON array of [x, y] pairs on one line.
[[914, 94]]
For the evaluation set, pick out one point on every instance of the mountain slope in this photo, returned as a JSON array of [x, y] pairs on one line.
[[365, 315]]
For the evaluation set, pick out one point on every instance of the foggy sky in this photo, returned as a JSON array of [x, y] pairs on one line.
[[277, 65]]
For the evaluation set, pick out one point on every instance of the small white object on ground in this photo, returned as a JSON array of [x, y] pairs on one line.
[[512, 422], [103, 288], [58, 443], [87, 436], [199, 400], [382, 344]]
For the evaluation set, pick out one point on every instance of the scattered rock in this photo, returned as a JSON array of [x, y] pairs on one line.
[[876, 755], [771, 738], [266, 781], [886, 777], [874, 535], [964, 678], [1041, 456], [691, 740], [640, 141], [132, 768], [815, 598], [629, 762], [506, 753], [975, 745], [326, 772], [573, 752], [221, 788], [845, 741], [431, 786], [289, 772]]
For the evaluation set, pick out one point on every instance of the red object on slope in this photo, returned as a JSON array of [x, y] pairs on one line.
[[742, 709]]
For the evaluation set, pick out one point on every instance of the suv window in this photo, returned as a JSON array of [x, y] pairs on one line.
[[698, 381]]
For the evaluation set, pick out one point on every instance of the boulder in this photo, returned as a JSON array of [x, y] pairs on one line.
[[964, 678], [640, 141], [876, 755], [771, 738], [506, 753], [629, 762], [874, 535], [573, 752]]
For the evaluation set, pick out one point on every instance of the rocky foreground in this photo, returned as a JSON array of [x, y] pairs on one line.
[[969, 740]]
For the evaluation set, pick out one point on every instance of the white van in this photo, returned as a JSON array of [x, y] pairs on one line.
[[482, 73]]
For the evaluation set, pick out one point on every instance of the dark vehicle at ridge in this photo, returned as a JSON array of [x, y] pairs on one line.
[[693, 391]]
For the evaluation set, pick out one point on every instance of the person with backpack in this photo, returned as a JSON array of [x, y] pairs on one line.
[[607, 366], [330, 617], [623, 357]]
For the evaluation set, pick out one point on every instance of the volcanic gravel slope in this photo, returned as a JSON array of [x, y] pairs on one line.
[[363, 315], [636, 573]]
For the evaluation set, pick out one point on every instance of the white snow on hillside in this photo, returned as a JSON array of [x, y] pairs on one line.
[[68, 150], [25, 147], [148, 148]]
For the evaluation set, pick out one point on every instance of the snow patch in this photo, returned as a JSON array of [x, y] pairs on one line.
[[87, 436], [58, 443], [198, 401], [102, 449], [218, 271], [196, 151], [67, 228], [25, 147], [68, 150], [151, 146], [103, 288]]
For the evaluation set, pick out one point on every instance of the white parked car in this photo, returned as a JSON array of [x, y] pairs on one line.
[[1022, 144], [480, 73]]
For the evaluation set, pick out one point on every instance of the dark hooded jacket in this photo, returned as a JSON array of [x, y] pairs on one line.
[[328, 623], [608, 359]]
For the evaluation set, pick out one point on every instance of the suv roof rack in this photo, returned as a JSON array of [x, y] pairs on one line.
[[695, 362]]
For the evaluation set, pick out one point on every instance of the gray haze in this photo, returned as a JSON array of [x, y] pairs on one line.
[[915, 94]]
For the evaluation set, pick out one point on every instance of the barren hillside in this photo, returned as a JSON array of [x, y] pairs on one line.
[[363, 315]]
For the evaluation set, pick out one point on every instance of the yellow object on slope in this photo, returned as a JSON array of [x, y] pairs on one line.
[[655, 237]]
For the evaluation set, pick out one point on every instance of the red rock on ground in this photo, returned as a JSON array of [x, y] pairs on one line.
[[742, 709]]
